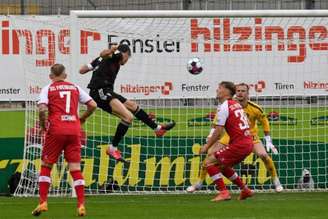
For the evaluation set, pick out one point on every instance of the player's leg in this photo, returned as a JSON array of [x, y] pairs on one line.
[[118, 109], [72, 154], [140, 114], [214, 171], [260, 151], [50, 153], [203, 170], [228, 157]]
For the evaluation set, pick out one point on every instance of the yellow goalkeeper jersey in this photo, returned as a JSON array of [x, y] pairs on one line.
[[254, 113]]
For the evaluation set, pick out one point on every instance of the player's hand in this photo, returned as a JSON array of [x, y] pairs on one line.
[[42, 132], [269, 146], [108, 52], [82, 120], [203, 150]]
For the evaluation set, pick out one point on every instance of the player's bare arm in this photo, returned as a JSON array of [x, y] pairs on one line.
[[218, 132], [106, 53], [42, 116], [91, 107]]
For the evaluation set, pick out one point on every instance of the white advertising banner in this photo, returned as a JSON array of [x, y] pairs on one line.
[[275, 56]]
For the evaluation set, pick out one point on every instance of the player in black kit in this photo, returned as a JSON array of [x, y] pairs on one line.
[[105, 69]]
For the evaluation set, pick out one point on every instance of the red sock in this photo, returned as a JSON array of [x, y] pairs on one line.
[[216, 176], [44, 183], [78, 183], [233, 176]]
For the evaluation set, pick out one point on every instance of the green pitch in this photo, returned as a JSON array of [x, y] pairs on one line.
[[261, 206], [102, 123]]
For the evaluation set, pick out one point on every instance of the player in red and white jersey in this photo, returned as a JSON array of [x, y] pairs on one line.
[[231, 118], [62, 133]]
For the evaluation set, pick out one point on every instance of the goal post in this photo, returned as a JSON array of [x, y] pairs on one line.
[[280, 54]]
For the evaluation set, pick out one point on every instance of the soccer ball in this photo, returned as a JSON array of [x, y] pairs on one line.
[[194, 66]]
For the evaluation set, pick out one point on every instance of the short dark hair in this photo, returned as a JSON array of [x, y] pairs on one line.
[[230, 86], [123, 48], [57, 69], [243, 84]]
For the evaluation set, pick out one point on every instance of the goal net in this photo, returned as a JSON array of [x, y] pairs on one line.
[[282, 59]]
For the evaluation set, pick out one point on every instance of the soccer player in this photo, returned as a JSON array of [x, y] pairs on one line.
[[105, 69], [232, 118], [254, 113], [60, 99]]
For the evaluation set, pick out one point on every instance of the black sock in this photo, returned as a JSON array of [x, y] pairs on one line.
[[121, 130], [143, 116]]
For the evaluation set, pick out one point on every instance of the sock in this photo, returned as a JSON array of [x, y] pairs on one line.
[[203, 172], [121, 130], [44, 183], [216, 176], [269, 165], [78, 183], [143, 116], [233, 177]]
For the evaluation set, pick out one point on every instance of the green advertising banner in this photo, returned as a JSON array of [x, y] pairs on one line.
[[170, 163]]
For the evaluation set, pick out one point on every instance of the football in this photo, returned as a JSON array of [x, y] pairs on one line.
[[194, 66]]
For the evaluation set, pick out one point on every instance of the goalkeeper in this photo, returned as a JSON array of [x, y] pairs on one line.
[[254, 113], [105, 69]]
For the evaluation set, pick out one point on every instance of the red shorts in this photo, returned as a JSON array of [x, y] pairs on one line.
[[232, 154], [55, 144]]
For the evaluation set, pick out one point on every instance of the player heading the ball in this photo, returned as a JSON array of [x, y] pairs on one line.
[[61, 99], [105, 69]]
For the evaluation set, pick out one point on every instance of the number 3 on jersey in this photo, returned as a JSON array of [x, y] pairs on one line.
[[62, 94], [243, 118]]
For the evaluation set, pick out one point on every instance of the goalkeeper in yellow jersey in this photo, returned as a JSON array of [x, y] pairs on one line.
[[254, 113]]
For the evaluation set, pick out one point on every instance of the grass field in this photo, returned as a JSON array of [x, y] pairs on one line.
[[104, 124], [261, 206]]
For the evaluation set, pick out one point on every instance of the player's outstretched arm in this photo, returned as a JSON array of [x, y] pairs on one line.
[[91, 107]]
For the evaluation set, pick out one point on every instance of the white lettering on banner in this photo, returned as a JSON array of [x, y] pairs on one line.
[[270, 54]]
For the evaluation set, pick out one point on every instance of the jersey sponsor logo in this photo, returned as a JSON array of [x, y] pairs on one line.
[[275, 118], [321, 120], [194, 88], [223, 35], [68, 118], [316, 85], [147, 89], [283, 86]]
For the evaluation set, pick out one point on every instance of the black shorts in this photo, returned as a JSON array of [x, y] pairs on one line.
[[103, 96]]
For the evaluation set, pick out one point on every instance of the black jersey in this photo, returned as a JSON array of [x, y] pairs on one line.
[[105, 72]]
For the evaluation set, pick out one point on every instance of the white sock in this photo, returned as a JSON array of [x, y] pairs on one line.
[[158, 128]]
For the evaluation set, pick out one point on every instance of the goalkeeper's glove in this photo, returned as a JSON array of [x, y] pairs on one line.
[[269, 146]]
